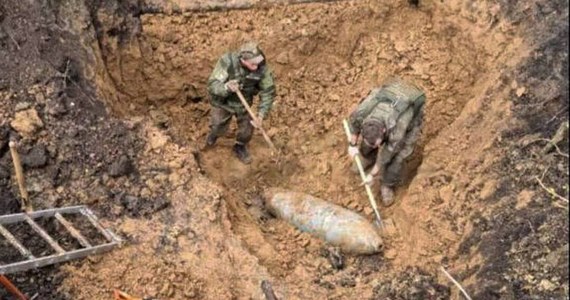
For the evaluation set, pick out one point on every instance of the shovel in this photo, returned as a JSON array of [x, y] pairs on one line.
[[363, 176], [119, 295], [256, 121], [25, 205]]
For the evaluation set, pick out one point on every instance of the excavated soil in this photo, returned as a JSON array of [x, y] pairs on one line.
[[109, 105]]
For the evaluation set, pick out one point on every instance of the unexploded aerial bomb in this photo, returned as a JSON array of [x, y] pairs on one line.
[[336, 225]]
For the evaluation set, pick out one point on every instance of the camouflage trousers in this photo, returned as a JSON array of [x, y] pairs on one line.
[[390, 172], [220, 121]]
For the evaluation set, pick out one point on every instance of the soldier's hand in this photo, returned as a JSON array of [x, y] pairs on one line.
[[353, 151], [369, 180], [257, 124], [232, 85]]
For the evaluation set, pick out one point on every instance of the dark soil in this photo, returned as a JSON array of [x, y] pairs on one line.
[[9, 253], [526, 249], [413, 284], [79, 143], [30, 239], [41, 284], [86, 228], [59, 233]]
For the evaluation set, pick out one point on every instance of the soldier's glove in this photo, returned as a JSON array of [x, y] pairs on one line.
[[258, 123], [369, 180], [353, 151], [232, 85]]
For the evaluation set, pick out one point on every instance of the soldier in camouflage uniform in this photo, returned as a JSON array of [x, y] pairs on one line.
[[244, 70], [389, 120]]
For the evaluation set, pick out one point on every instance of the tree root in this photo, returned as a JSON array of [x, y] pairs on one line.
[[456, 283], [557, 138], [550, 190]]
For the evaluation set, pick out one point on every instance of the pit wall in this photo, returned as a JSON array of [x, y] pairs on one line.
[[161, 58], [136, 69]]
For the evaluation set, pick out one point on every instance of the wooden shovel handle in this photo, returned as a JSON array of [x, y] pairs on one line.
[[119, 295], [26, 205], [363, 176], [254, 118]]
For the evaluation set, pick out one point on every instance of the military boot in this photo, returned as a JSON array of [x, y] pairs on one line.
[[387, 195], [211, 140], [242, 153]]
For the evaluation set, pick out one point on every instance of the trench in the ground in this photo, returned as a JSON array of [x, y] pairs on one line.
[[325, 58]]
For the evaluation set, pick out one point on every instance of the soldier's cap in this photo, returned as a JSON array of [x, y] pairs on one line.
[[372, 130], [251, 53]]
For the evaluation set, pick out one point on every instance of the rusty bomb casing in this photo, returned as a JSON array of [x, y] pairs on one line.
[[332, 223]]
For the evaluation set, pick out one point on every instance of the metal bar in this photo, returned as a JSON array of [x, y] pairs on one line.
[[54, 259], [10, 287], [14, 218], [93, 219], [73, 231], [12, 239], [44, 234], [268, 290]]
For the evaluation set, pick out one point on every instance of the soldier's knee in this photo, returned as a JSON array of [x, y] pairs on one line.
[[245, 133], [244, 138], [405, 153], [219, 124], [391, 179]]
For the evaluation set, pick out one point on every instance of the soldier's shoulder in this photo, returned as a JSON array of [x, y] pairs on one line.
[[375, 91], [266, 69], [226, 59], [221, 71]]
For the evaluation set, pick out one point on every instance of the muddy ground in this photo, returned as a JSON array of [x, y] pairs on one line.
[[107, 101]]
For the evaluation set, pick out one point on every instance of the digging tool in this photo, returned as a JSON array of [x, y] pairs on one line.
[[12, 288], [26, 205], [268, 290], [363, 176], [254, 118], [118, 295]]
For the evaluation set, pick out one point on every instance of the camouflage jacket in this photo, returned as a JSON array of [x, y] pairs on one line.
[[259, 82], [397, 104]]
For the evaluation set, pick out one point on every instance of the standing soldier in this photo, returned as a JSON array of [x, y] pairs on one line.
[[391, 117], [245, 70]]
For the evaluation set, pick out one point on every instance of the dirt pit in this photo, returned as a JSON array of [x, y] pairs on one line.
[[189, 216]]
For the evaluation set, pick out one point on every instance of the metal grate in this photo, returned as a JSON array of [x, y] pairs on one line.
[[61, 254]]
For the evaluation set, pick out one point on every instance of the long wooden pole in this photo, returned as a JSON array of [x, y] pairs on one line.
[[26, 205], [123, 296], [254, 118], [363, 176], [12, 288]]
